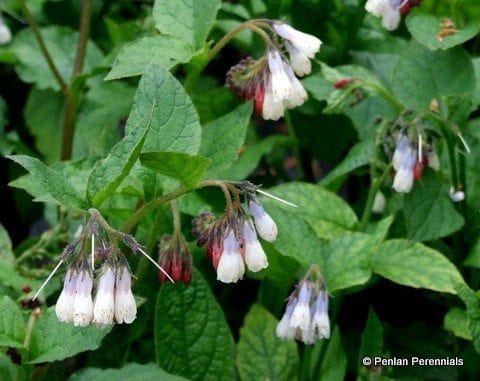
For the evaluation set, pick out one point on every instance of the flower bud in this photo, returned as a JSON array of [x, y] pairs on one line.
[[266, 227], [125, 306], [379, 203]]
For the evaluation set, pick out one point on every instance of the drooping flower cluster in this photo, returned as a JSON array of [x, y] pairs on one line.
[[175, 258], [410, 158], [306, 315], [231, 241], [5, 33], [390, 11], [271, 80]]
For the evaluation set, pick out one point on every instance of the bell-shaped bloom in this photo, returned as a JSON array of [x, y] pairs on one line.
[[301, 313], [404, 177], [271, 109], [64, 308], [125, 306], [255, 257], [281, 85], [230, 267], [298, 95], [388, 10], [301, 64], [305, 43], [83, 305], [284, 329], [320, 320], [103, 306], [266, 227]]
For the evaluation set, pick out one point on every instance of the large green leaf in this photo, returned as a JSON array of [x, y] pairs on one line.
[[52, 181], [472, 301], [191, 336], [372, 338], [187, 169], [190, 20], [52, 340], [12, 326], [414, 265], [32, 66], [421, 75], [456, 321], [261, 355], [222, 138], [334, 364], [130, 372], [425, 28], [134, 58], [429, 212]]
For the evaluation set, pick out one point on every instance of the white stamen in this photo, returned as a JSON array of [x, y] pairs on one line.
[[48, 279], [420, 148], [276, 198], [156, 264], [93, 252], [462, 139]]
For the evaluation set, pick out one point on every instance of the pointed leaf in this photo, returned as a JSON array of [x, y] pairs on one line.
[[130, 372], [12, 326]]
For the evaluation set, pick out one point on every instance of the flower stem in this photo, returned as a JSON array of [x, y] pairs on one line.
[[177, 227], [30, 325]]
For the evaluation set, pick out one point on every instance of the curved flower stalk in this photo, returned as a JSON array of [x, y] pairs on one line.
[[271, 80], [306, 315]]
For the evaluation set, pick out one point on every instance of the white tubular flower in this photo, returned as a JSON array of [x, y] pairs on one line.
[[64, 308], [387, 10], [401, 148], [83, 305], [255, 257], [391, 18], [103, 306], [403, 181], [266, 227], [125, 306], [379, 203], [300, 62], [284, 331], [432, 158], [230, 267], [376, 7], [271, 110], [299, 95], [301, 313], [281, 86], [306, 43], [456, 196], [320, 320], [5, 33], [307, 336]]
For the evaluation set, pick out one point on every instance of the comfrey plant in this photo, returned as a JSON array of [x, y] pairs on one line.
[[306, 314], [271, 80], [114, 300], [231, 241]]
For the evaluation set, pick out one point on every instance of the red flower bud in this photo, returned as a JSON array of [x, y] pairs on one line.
[[341, 83], [418, 170], [258, 98], [176, 272]]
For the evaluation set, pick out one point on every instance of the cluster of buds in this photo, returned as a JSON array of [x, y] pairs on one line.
[[231, 241], [5, 33], [175, 258], [409, 159], [306, 315], [271, 81], [113, 299], [390, 11]]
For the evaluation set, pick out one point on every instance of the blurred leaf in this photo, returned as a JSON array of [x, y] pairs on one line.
[[191, 336], [9, 371], [6, 254], [425, 28], [414, 265], [372, 338], [32, 66], [421, 75], [52, 181], [197, 18], [185, 168], [261, 355], [52, 340], [456, 321], [222, 139], [130, 372], [134, 58], [429, 212], [12, 326], [472, 301]]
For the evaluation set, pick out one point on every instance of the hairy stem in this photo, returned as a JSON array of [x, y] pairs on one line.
[[177, 227]]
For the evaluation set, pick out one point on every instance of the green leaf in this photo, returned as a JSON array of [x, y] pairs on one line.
[[6, 254], [456, 321], [222, 138], [372, 338], [425, 28], [130, 372], [191, 336], [414, 265], [261, 355], [361, 154], [52, 340], [421, 75], [12, 326], [185, 168], [10, 371], [134, 58], [53, 182], [429, 212], [334, 364], [472, 301], [189, 20], [10, 277], [312, 200], [32, 66]]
